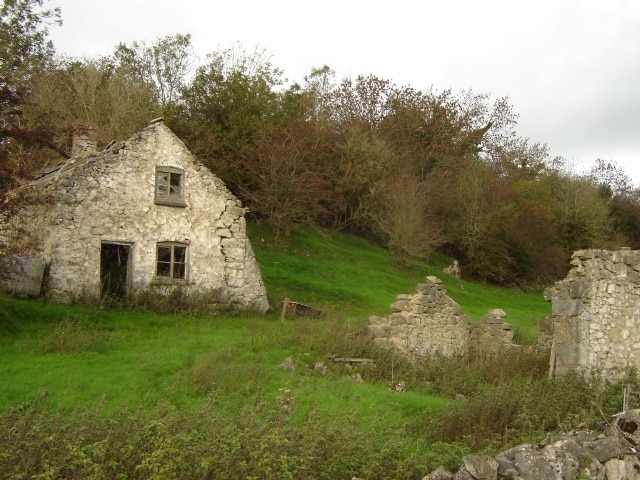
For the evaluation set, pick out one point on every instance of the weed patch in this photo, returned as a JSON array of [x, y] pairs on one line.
[[524, 410], [70, 336], [168, 443]]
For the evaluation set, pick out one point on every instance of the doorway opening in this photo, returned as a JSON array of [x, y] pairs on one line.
[[115, 262]]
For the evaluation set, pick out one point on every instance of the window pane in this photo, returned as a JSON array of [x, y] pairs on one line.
[[176, 179], [176, 186], [179, 270], [162, 178], [179, 254], [163, 269], [162, 184], [164, 254]]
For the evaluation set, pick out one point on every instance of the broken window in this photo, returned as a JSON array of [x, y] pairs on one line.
[[171, 261], [170, 186]]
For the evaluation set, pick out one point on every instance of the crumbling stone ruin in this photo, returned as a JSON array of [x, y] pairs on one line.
[[140, 215], [596, 314], [577, 455], [594, 324], [453, 269], [426, 324], [430, 325]]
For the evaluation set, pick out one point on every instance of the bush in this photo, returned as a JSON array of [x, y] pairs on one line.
[[262, 443], [519, 410]]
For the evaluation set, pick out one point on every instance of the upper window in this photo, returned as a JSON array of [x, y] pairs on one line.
[[171, 261], [170, 186]]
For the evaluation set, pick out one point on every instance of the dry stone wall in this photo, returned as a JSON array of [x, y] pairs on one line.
[[492, 337], [596, 314], [427, 324], [578, 455]]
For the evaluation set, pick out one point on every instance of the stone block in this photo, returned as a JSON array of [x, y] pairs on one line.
[[567, 306], [478, 467], [401, 306], [237, 211]]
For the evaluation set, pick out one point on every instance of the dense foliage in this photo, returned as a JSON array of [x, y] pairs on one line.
[[418, 171]]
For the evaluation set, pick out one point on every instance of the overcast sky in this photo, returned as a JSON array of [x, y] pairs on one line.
[[571, 68]]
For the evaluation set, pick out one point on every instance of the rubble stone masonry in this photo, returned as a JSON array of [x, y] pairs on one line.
[[596, 314], [429, 324], [108, 196]]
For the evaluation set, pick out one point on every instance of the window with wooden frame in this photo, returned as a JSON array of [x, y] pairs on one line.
[[170, 186], [171, 261]]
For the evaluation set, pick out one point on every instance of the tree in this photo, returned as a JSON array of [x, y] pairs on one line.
[[163, 65], [290, 181], [367, 101], [16, 137], [581, 212], [403, 218], [611, 178], [624, 212], [92, 91], [623, 201], [480, 217], [319, 86], [227, 106], [363, 163], [24, 48]]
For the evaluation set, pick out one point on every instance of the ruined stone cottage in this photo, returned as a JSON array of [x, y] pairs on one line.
[[141, 214], [594, 326], [428, 325], [596, 314]]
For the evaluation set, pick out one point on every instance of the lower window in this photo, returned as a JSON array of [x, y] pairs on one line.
[[171, 260]]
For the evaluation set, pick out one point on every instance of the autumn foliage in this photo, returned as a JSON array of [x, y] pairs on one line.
[[418, 171]]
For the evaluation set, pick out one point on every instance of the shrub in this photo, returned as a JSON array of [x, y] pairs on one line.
[[69, 336], [167, 443], [518, 410]]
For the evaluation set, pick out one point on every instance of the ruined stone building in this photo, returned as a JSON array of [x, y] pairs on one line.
[[594, 326], [596, 315], [430, 325], [141, 214]]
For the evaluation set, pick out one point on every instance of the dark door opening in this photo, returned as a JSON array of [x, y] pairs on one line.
[[114, 270]]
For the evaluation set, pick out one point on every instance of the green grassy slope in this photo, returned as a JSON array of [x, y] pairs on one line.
[[346, 274], [227, 367], [135, 358]]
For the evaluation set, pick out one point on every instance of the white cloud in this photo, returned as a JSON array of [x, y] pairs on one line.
[[571, 68]]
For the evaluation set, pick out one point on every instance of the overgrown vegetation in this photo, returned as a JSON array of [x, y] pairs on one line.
[[113, 392], [107, 391]]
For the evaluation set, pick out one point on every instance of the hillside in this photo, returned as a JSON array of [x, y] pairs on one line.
[[114, 390], [350, 276]]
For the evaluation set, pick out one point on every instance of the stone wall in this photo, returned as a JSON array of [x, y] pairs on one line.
[[427, 324], [109, 197], [578, 455], [430, 325], [596, 314], [492, 337]]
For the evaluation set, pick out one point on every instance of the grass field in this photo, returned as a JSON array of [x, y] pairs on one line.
[[214, 385], [350, 276]]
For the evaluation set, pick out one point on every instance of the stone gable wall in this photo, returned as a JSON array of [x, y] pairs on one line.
[[429, 325], [596, 314], [109, 197]]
